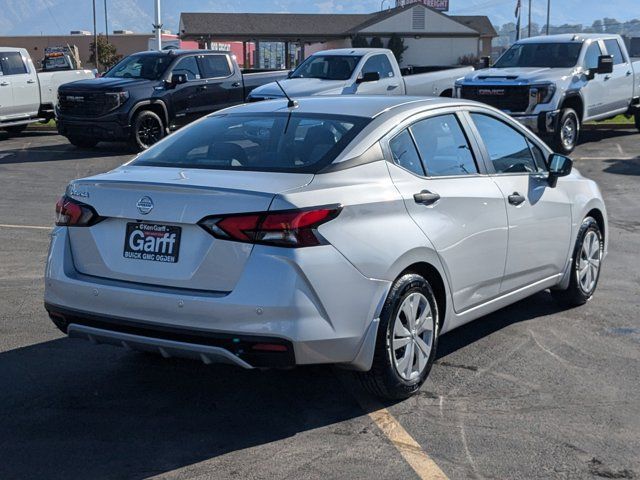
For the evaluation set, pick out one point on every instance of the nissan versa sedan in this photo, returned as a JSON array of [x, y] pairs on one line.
[[330, 230]]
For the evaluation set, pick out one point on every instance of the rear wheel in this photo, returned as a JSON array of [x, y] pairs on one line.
[[147, 130], [15, 129], [406, 342], [83, 142], [637, 116], [585, 269], [567, 134]]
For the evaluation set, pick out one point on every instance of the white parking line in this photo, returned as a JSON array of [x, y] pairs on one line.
[[410, 450], [28, 227], [615, 157]]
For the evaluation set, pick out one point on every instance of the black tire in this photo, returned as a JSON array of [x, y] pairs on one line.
[[147, 129], [15, 129], [567, 134], [383, 380], [83, 142], [576, 294], [637, 117]]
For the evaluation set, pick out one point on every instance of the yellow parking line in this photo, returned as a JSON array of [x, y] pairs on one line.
[[29, 227], [410, 450]]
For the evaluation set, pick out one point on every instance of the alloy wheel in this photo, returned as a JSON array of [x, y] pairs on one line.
[[149, 131], [412, 338], [589, 262], [569, 132]]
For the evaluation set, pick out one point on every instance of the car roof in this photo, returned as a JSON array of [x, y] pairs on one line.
[[367, 106], [352, 51], [568, 38]]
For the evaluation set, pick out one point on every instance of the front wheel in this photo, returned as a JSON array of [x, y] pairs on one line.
[[147, 130], [585, 268], [406, 342], [567, 134]]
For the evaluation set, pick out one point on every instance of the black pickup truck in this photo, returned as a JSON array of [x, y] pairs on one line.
[[148, 94]]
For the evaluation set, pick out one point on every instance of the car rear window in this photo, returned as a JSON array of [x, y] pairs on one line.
[[285, 142]]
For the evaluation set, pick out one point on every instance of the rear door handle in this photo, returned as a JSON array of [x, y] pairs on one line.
[[516, 199], [628, 73], [607, 77], [425, 197]]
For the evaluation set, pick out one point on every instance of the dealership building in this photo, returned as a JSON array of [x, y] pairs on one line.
[[282, 39]]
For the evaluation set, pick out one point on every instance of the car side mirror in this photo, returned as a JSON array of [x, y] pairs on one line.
[[605, 64], [177, 79], [369, 77], [559, 166]]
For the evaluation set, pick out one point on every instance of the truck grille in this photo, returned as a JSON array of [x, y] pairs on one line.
[[512, 98], [84, 104]]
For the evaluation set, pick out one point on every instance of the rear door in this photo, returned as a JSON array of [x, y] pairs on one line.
[[539, 216], [594, 91], [6, 95], [223, 83], [619, 84], [458, 207], [22, 79]]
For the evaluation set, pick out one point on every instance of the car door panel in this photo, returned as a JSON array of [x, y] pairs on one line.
[[20, 77], [539, 217], [462, 215], [619, 83]]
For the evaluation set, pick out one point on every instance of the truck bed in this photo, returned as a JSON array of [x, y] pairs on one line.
[[433, 81]]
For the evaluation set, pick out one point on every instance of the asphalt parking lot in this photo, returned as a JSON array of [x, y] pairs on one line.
[[531, 391]]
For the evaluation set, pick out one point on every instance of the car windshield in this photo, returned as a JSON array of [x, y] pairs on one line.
[[280, 142], [150, 67], [327, 67], [550, 55]]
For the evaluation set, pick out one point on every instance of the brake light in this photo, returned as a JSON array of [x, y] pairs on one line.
[[287, 228], [70, 213]]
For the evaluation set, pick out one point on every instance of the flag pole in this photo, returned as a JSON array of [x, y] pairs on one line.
[[529, 28], [519, 16]]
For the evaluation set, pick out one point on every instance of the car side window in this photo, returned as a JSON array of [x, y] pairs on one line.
[[508, 149], [539, 157], [215, 66], [613, 48], [404, 153], [11, 63], [591, 56], [379, 64], [443, 146], [189, 67]]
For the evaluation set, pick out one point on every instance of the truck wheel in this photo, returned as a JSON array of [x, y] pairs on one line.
[[637, 119], [83, 142], [147, 130], [406, 342], [16, 129], [567, 133], [585, 268]]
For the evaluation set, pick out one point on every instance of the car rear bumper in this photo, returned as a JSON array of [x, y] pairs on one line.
[[312, 300]]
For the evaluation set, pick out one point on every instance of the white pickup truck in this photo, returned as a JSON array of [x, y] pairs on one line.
[[363, 71], [27, 96]]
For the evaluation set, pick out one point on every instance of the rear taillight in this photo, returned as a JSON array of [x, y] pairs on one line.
[[286, 228], [70, 213]]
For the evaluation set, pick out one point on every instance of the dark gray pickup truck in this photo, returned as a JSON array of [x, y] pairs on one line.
[[148, 94]]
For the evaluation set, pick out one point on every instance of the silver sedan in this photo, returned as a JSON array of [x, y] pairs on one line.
[[342, 230]]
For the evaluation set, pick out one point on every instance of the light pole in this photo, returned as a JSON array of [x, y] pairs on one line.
[[106, 21], [548, 14], [95, 37], [158, 27], [529, 28]]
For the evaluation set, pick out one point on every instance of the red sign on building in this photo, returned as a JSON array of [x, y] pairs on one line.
[[442, 5]]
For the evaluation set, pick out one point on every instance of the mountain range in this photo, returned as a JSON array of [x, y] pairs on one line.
[[41, 17]]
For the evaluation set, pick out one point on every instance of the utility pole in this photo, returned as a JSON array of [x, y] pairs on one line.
[[548, 14], [158, 27], [106, 21], [95, 37], [529, 35]]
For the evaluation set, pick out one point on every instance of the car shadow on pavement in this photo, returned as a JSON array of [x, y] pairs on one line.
[[60, 152], [69, 409], [601, 133], [623, 167]]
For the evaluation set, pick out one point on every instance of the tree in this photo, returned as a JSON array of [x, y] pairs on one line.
[[376, 42], [107, 54], [359, 41], [396, 45]]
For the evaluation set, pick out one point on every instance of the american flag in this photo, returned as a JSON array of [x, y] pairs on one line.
[[518, 6]]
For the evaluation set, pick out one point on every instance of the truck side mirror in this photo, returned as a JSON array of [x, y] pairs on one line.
[[177, 79], [485, 62], [605, 64], [369, 77], [559, 166]]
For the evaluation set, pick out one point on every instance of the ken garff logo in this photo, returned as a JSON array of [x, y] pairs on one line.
[[145, 205]]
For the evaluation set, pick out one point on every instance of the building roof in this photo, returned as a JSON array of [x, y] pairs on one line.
[[480, 23], [305, 25]]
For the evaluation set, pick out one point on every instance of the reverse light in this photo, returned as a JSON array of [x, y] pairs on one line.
[[71, 213], [285, 228]]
